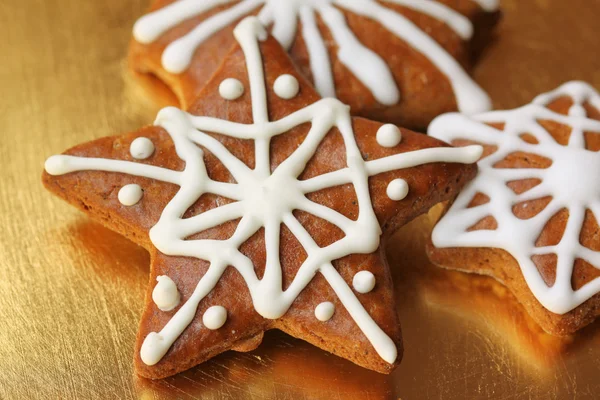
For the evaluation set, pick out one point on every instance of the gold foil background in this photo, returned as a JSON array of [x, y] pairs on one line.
[[71, 292]]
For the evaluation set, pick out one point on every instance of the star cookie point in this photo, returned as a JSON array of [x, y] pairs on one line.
[[402, 62], [216, 212], [539, 177]]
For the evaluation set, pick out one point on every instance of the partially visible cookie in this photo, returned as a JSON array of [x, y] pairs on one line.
[[530, 218], [402, 62], [262, 208]]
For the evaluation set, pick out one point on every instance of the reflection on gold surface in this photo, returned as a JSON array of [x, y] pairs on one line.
[[282, 367], [71, 292], [492, 306], [101, 244], [473, 324]]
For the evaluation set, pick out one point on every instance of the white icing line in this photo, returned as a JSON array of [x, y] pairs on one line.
[[263, 199], [455, 20], [397, 161], [178, 55], [61, 164], [469, 96], [579, 91], [320, 64], [249, 33], [571, 181], [284, 15], [156, 345], [364, 63], [367, 66], [488, 5], [385, 347], [151, 26]]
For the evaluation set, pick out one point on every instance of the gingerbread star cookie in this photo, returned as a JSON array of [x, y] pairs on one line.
[[401, 61], [262, 208], [530, 218]]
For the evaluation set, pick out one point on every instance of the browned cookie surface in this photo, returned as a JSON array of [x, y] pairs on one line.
[[561, 251], [96, 193], [425, 91]]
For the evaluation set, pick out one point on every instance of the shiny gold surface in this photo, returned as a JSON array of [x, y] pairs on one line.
[[71, 292]]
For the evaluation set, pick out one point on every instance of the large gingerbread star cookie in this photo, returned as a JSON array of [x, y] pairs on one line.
[[401, 61], [262, 207], [530, 218]]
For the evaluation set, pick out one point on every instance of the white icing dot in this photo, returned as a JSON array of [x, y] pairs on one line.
[[131, 194], [389, 135], [165, 294], [324, 311], [397, 189], [231, 89], [141, 148], [286, 86], [363, 282], [214, 317]]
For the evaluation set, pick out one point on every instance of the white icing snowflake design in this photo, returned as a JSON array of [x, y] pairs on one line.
[[262, 199], [572, 180], [365, 64]]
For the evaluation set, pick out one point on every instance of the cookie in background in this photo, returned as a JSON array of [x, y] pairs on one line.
[[530, 217], [402, 62]]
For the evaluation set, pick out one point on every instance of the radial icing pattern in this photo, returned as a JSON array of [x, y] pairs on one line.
[[284, 15], [571, 181], [263, 199]]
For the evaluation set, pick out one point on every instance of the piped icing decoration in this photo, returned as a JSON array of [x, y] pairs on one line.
[[130, 195], [165, 294], [389, 135], [231, 89], [215, 317], [571, 181], [365, 64], [324, 311], [363, 281], [397, 189], [141, 148], [263, 199], [488, 5], [286, 86]]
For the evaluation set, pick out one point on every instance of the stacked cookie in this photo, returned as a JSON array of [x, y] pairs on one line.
[[264, 199], [401, 61]]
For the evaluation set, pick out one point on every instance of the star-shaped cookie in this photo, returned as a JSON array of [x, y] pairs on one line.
[[400, 61], [262, 208], [530, 218]]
